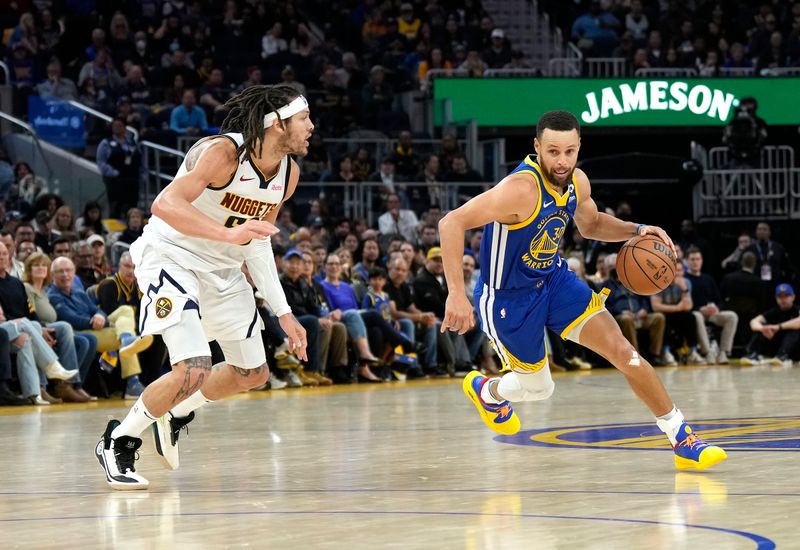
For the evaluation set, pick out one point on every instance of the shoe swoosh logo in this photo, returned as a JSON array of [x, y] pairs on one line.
[[245, 179], [548, 204]]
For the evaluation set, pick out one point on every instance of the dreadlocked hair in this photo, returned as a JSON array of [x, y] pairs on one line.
[[247, 110]]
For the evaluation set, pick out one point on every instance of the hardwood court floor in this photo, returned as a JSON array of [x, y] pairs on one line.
[[411, 466]]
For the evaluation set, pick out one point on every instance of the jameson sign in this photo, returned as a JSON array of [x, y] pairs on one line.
[[616, 102]]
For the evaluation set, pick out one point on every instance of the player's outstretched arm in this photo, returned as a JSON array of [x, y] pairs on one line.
[[510, 201], [211, 163], [599, 226]]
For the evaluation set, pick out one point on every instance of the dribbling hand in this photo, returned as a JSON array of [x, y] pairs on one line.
[[250, 230], [457, 314], [296, 334], [661, 234]]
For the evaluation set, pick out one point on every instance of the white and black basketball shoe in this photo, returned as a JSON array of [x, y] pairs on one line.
[[116, 456], [166, 431]]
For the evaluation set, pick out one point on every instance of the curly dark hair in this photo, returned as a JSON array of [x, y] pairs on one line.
[[248, 109]]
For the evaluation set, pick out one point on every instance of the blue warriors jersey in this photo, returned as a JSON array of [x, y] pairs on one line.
[[521, 254], [379, 302]]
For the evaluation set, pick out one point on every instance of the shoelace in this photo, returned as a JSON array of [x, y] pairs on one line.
[[126, 459], [177, 432], [691, 441]]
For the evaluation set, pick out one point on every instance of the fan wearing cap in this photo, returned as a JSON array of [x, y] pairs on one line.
[[498, 54], [776, 333], [430, 294], [216, 215], [100, 264]]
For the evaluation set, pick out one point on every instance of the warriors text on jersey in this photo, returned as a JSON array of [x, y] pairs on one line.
[[248, 194], [519, 255]]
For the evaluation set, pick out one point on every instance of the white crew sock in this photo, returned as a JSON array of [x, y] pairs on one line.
[[191, 403], [138, 419], [486, 394], [670, 423]]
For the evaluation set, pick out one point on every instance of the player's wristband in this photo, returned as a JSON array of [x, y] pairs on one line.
[[639, 228]]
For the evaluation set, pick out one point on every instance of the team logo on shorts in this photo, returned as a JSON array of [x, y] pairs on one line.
[[163, 307]]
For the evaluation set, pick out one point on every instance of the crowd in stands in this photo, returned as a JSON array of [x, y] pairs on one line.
[[371, 298], [696, 34], [166, 67]]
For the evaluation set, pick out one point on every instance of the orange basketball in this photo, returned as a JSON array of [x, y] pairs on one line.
[[646, 265]]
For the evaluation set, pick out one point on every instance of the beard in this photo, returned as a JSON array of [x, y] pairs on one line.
[[294, 143], [560, 181]]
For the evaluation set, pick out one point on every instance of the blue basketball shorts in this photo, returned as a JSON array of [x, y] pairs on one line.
[[515, 319]]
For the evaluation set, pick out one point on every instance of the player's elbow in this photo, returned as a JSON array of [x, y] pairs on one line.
[[450, 222], [156, 208]]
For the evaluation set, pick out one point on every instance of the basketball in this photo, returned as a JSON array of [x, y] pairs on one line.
[[646, 265]]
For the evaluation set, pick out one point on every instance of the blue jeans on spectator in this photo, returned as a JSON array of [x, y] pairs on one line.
[[354, 323], [407, 327], [474, 340], [65, 347], [311, 324], [431, 342], [32, 358], [85, 350]]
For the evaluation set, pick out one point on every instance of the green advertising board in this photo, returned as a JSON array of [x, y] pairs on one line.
[[616, 102]]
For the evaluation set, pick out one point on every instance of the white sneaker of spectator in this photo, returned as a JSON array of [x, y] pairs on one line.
[[276, 383], [57, 371], [695, 358]]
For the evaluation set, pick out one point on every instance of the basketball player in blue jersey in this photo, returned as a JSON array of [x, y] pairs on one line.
[[525, 286], [216, 215]]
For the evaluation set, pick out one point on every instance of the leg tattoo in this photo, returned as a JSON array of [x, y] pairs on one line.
[[201, 364], [247, 372]]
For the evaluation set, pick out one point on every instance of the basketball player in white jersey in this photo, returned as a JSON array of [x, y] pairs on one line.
[[216, 215]]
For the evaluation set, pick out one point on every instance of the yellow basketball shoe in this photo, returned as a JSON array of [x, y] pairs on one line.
[[499, 417], [693, 452]]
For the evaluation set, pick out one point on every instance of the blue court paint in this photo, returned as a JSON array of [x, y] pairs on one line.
[[777, 434], [762, 543]]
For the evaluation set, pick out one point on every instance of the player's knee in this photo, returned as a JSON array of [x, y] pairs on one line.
[[623, 354], [247, 379], [261, 375]]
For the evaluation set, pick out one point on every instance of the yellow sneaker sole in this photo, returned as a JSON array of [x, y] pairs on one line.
[[709, 457], [509, 427]]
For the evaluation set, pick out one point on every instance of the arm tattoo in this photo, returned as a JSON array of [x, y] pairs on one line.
[[201, 364], [247, 372]]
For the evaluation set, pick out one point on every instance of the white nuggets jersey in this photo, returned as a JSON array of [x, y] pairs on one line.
[[248, 194]]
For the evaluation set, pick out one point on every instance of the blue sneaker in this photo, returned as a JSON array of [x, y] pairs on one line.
[[131, 344], [693, 452], [499, 417], [134, 388]]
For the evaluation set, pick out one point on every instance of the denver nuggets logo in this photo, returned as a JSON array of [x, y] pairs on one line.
[[747, 434], [163, 307], [544, 246]]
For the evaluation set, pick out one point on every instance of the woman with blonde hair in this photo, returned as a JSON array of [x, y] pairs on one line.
[[64, 221], [36, 279]]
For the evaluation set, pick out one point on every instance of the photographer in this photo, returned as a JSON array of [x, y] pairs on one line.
[[745, 135]]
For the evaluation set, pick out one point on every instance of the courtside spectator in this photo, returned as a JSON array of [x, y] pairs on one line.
[[706, 301]]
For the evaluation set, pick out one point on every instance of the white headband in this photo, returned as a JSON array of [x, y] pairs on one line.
[[298, 104]]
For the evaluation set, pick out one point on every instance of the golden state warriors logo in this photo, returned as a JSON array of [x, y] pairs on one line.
[[163, 307], [746, 434], [544, 246]]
